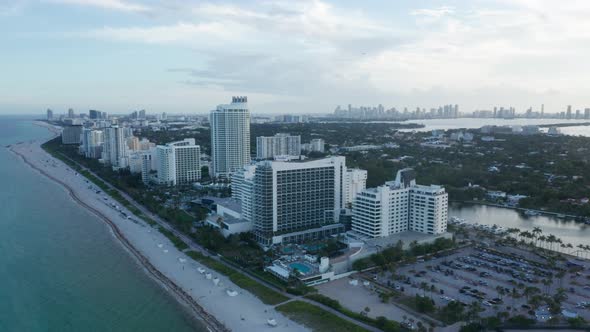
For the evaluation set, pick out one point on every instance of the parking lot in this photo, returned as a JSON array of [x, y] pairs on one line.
[[498, 278], [357, 296]]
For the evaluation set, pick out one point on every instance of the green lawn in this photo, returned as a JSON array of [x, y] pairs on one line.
[[316, 318], [178, 243]]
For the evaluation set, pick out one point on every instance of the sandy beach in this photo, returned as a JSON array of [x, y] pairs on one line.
[[205, 295]]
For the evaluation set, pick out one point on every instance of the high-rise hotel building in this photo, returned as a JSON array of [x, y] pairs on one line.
[[292, 201], [179, 162], [399, 206], [230, 137]]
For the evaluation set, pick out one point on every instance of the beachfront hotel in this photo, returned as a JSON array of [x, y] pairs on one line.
[[230, 137], [400, 206], [268, 147], [179, 162], [293, 201]]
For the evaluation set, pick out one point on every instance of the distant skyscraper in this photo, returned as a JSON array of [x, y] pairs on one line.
[[587, 113], [568, 114], [278, 145], [92, 141], [115, 151], [49, 114], [95, 115], [71, 113], [142, 114], [71, 134], [230, 137]]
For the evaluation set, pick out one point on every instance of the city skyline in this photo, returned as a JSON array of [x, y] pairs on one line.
[[182, 57]]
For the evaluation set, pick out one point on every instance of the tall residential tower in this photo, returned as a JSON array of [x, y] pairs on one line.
[[230, 137]]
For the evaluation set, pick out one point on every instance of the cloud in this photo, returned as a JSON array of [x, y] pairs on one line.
[[119, 5], [433, 12], [317, 50], [12, 8]]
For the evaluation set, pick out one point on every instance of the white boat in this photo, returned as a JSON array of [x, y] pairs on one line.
[[531, 213], [271, 322], [201, 270], [182, 260], [216, 281], [231, 292], [208, 276]]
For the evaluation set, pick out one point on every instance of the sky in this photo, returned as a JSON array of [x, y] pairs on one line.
[[304, 56]]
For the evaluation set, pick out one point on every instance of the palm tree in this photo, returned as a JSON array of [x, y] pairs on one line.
[[423, 287], [542, 240], [551, 239], [537, 232]]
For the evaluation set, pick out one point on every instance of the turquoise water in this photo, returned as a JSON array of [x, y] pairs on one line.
[[60, 268], [314, 247], [300, 267]]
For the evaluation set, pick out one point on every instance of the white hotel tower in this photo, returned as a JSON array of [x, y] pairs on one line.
[[230, 137], [179, 162], [399, 206]]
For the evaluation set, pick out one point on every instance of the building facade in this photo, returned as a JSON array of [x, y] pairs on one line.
[[355, 182], [92, 142], [399, 206], [268, 147], [292, 201], [115, 151], [71, 135], [179, 163], [230, 137]]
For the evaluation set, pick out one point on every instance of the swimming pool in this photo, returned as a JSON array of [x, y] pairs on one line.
[[300, 267]]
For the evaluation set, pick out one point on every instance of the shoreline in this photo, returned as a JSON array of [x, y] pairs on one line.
[[182, 297], [182, 278]]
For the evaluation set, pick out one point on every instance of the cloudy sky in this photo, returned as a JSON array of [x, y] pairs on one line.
[[305, 56]]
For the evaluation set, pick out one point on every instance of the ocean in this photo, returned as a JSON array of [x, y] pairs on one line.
[[60, 267]]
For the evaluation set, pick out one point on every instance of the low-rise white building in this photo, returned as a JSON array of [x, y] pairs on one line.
[[281, 144], [229, 218], [399, 206]]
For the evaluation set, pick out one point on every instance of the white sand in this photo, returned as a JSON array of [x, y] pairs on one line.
[[243, 312]]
